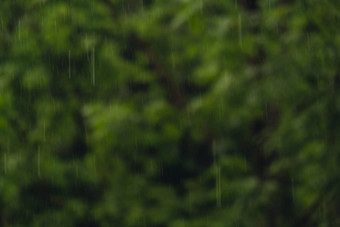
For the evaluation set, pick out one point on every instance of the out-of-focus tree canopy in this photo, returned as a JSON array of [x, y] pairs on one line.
[[169, 113]]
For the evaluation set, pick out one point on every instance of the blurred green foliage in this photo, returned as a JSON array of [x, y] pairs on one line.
[[169, 113]]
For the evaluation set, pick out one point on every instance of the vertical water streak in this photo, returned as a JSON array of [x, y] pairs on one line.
[[93, 68], [5, 163], [44, 125], [19, 30], [293, 190], [269, 5], [2, 23], [69, 64], [240, 30], [39, 162], [217, 176]]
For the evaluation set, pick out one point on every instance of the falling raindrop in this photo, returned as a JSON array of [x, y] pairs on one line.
[[44, 125], [172, 56], [293, 191], [39, 162], [240, 30], [188, 115], [160, 168], [2, 23], [220, 111], [136, 148], [94, 164], [86, 136], [69, 64], [76, 167], [5, 163], [87, 47], [93, 68], [308, 40], [217, 176], [269, 5], [124, 12], [19, 30], [190, 202], [5, 158], [218, 186]]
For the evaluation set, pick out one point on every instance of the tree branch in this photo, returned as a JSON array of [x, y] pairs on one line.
[[163, 76]]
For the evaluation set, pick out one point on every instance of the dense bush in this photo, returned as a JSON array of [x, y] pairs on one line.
[[169, 113]]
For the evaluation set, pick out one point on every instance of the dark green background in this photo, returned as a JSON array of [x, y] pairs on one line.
[[169, 113]]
